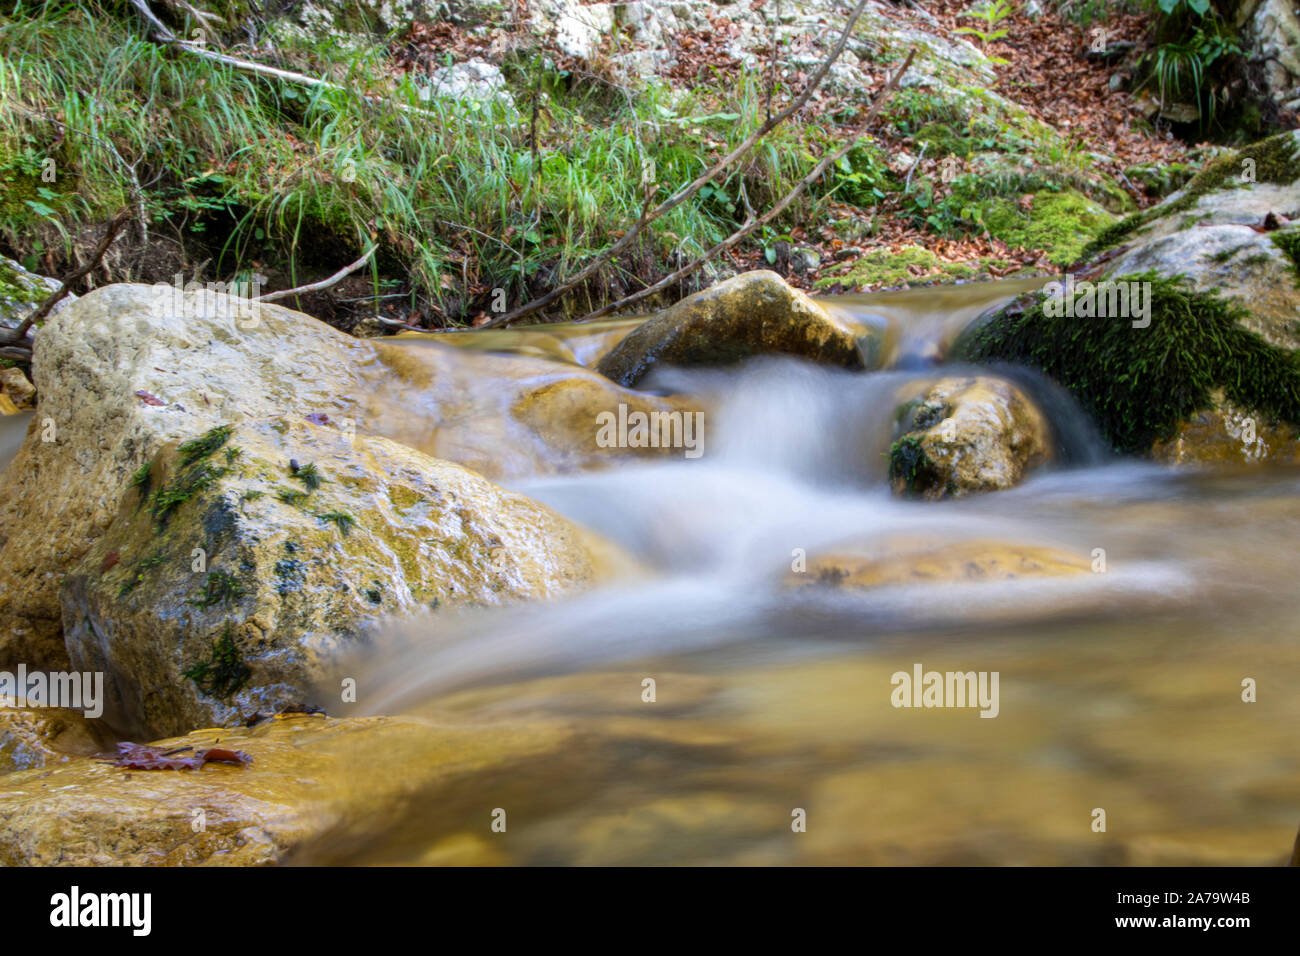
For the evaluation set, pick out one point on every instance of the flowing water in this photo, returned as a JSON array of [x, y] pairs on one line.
[[1120, 689]]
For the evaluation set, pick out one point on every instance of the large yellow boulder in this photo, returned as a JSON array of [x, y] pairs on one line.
[[243, 564], [121, 372], [754, 313]]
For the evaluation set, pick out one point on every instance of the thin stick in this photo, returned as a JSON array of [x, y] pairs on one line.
[[685, 192], [768, 216], [333, 280], [166, 37], [110, 233]]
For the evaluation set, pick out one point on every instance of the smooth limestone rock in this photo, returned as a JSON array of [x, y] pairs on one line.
[[36, 737], [506, 415], [122, 371], [1226, 434], [231, 583], [965, 435], [755, 313], [308, 774], [18, 392]]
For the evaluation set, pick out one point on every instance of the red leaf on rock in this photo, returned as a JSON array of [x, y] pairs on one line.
[[145, 757]]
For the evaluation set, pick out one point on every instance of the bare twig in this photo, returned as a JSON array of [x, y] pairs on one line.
[[751, 223], [19, 335], [686, 192], [165, 36], [333, 280]]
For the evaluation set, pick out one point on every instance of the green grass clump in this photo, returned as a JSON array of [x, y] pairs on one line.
[[1138, 384], [248, 169], [224, 672], [1288, 240], [310, 476]]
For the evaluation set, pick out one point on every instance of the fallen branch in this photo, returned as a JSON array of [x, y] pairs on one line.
[[165, 36], [752, 223], [686, 192], [19, 335], [333, 280]]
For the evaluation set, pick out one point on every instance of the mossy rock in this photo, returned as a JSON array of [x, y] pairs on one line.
[[1140, 384], [231, 580], [966, 435], [1272, 162]]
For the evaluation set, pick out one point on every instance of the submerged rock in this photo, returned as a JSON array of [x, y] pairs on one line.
[[965, 435], [122, 371], [240, 566], [755, 313], [937, 562], [18, 394], [308, 774], [513, 415], [37, 737]]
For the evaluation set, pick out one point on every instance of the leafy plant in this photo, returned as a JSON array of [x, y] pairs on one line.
[[992, 13]]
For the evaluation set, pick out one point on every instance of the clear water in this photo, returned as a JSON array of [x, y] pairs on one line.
[[1120, 690]]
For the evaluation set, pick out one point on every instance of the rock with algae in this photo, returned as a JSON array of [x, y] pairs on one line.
[[242, 564]]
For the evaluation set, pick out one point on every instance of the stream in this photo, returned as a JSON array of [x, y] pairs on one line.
[[1120, 689]]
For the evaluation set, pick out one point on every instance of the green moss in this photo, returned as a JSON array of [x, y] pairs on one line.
[[220, 587], [909, 463], [1276, 160], [341, 519], [1160, 179], [141, 479], [137, 573], [942, 140], [1138, 384], [1058, 223], [199, 448], [882, 268], [224, 672], [292, 496], [184, 485]]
